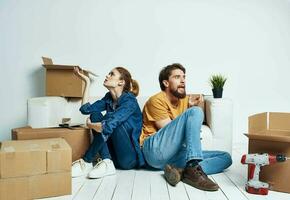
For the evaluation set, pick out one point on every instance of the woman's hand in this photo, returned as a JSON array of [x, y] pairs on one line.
[[194, 100], [96, 126], [81, 75]]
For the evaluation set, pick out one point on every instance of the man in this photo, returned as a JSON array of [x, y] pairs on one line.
[[171, 134]]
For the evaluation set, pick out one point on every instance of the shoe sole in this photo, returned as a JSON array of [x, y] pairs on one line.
[[194, 184], [172, 176]]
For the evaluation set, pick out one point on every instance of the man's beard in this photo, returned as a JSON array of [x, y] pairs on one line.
[[178, 94]]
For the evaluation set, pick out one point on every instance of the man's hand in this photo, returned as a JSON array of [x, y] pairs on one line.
[[96, 126], [194, 100]]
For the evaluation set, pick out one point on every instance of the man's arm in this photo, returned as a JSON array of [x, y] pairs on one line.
[[161, 123]]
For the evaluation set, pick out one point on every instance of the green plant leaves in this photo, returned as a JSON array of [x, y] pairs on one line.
[[217, 81]]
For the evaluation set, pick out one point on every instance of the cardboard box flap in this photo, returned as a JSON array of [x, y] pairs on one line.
[[48, 64], [279, 121], [66, 67], [270, 137], [47, 61], [258, 122]]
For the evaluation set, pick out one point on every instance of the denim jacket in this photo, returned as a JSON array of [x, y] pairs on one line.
[[126, 111]]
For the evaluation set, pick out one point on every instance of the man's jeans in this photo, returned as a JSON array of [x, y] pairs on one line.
[[121, 148], [179, 142]]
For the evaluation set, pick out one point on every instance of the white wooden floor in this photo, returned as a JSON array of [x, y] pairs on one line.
[[150, 185]]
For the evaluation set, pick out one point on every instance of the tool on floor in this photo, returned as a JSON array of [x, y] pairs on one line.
[[255, 161]]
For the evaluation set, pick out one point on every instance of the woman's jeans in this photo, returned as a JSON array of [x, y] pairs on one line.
[[118, 147], [179, 142]]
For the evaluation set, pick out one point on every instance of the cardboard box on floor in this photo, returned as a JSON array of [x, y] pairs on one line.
[[270, 133], [77, 138], [61, 80], [35, 168], [37, 186]]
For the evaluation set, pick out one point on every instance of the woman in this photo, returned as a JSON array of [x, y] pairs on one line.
[[116, 133]]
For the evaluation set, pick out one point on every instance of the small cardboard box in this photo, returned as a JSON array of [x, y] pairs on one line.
[[34, 157], [61, 80], [270, 133], [38, 186], [77, 138]]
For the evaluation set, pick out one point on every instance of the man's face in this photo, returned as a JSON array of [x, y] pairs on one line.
[[176, 83]]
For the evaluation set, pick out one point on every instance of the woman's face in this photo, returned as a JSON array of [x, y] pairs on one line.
[[113, 79]]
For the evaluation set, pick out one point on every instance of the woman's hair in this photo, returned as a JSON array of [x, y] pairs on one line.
[[131, 85]]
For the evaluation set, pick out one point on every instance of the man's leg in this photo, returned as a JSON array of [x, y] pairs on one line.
[[166, 143], [215, 161]]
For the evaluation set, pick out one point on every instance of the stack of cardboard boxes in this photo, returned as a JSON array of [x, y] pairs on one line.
[[35, 169], [37, 163], [61, 83]]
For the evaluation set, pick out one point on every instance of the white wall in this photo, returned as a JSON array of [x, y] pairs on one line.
[[247, 40]]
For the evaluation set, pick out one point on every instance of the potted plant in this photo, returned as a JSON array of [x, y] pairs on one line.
[[217, 82]]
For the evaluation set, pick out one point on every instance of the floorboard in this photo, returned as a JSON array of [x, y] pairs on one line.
[[151, 185]]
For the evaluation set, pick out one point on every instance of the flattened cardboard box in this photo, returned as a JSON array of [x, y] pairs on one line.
[[34, 157], [77, 138], [61, 80], [38, 186], [270, 133]]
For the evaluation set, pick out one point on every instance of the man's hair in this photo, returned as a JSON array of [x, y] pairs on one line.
[[166, 72]]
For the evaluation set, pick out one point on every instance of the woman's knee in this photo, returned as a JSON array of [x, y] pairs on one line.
[[96, 117], [127, 164]]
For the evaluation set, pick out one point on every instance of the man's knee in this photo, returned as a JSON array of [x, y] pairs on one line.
[[228, 159], [196, 111]]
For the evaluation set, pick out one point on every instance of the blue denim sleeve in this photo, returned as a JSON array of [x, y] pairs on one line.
[[98, 106], [121, 114]]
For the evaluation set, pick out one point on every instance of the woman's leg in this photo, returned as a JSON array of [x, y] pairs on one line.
[[126, 156], [98, 145]]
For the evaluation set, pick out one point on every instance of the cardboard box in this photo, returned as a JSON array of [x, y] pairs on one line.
[[34, 157], [77, 138], [270, 133], [39, 186], [61, 80]]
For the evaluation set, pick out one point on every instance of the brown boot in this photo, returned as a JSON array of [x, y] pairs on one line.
[[172, 174], [195, 177]]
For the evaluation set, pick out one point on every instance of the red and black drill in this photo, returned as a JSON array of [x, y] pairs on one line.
[[255, 161]]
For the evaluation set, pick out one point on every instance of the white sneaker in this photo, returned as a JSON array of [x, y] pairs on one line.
[[103, 168], [80, 168]]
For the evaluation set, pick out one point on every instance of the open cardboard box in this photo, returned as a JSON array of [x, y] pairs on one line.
[[61, 80], [270, 133]]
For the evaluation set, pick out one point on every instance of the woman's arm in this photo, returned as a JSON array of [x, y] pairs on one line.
[[86, 79]]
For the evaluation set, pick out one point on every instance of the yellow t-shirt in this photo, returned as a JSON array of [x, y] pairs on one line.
[[158, 108]]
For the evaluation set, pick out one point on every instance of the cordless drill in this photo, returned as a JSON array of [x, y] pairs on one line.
[[255, 161]]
